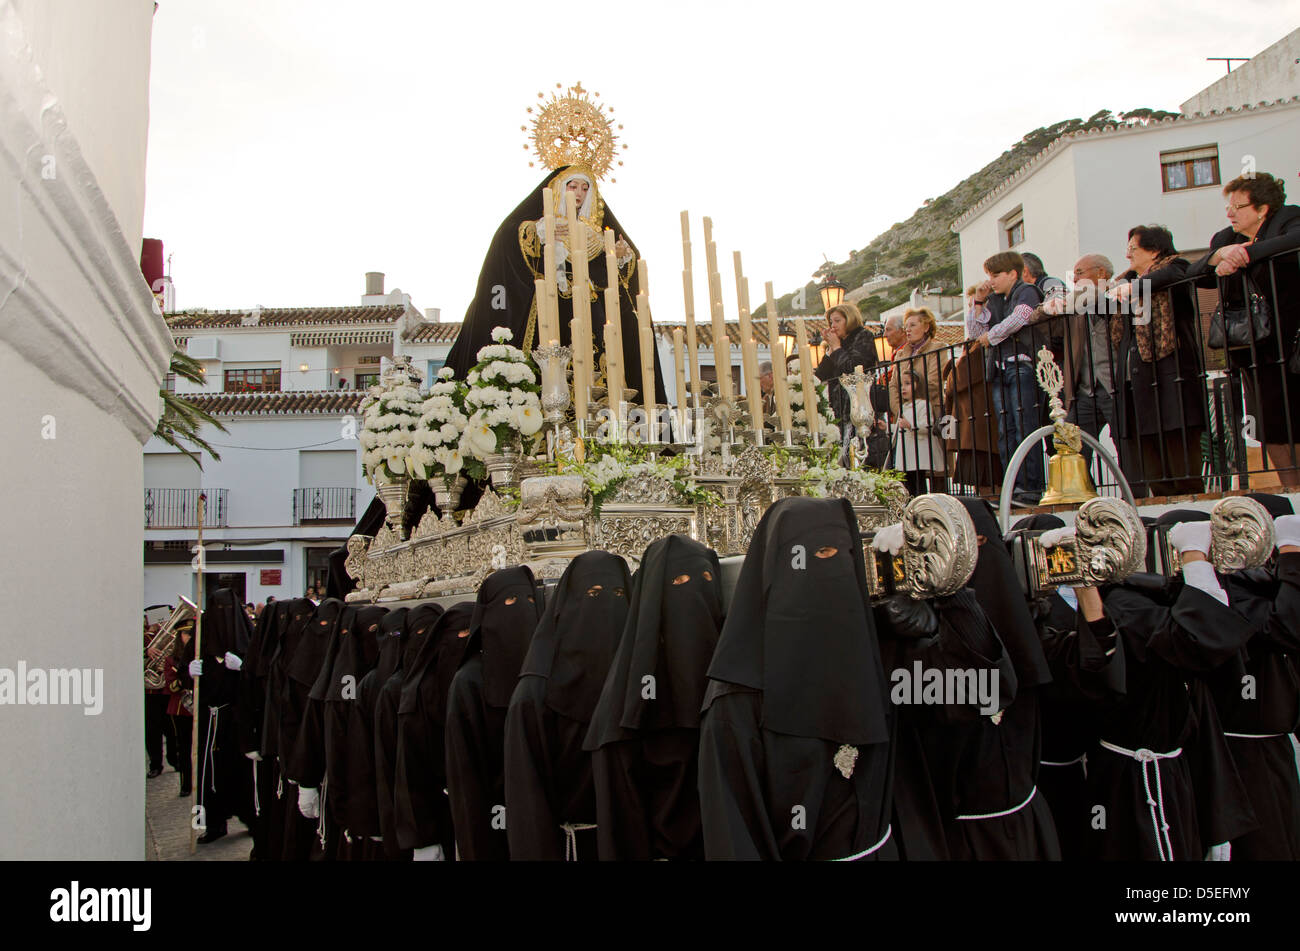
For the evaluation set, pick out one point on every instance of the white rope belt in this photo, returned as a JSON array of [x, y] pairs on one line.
[[1253, 736], [1081, 760], [209, 755], [1150, 761], [1005, 812], [257, 806], [571, 830], [320, 824], [865, 852]]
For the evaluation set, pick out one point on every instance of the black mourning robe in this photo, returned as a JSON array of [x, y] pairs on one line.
[[506, 612], [379, 696], [358, 652], [644, 735], [952, 633], [1157, 637], [507, 267], [549, 787], [225, 774], [797, 691], [1257, 695], [421, 810], [1069, 723], [252, 714], [986, 769]]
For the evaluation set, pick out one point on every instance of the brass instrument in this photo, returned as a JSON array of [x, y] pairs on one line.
[[164, 641]]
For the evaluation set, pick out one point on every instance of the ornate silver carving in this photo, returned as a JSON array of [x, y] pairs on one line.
[[1241, 534], [940, 548], [553, 515], [1110, 540], [355, 564]]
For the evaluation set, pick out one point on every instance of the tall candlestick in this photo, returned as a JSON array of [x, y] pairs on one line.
[[779, 388], [810, 400], [643, 274], [692, 337], [580, 332], [647, 363], [755, 392], [679, 359], [613, 365], [549, 303], [721, 342], [543, 311]]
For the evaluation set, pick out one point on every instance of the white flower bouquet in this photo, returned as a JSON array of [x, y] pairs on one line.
[[389, 416], [795, 380], [504, 400], [435, 444]]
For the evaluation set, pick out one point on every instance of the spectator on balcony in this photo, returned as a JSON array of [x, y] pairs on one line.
[[975, 442], [917, 450], [1089, 383], [1036, 275], [1260, 228], [999, 321], [848, 344], [895, 335], [923, 355], [1159, 380]]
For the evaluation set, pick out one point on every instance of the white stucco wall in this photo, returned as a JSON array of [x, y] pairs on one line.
[[1084, 198], [1271, 74]]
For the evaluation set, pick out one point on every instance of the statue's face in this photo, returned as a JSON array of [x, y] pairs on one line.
[[578, 188]]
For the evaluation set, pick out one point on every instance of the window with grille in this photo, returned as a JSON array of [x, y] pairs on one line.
[[1013, 228], [253, 380], [1189, 168]]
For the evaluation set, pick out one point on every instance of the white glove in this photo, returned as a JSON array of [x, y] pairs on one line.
[[196, 668], [430, 853], [1200, 574], [1191, 536], [309, 802], [255, 756], [233, 662], [1056, 536], [1288, 530], [889, 538]]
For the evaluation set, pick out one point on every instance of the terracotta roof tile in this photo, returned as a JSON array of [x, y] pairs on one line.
[[288, 316], [286, 402], [433, 333]]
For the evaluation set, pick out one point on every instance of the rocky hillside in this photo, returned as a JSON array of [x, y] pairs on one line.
[[921, 250]]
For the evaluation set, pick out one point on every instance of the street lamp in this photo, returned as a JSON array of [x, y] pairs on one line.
[[832, 292]]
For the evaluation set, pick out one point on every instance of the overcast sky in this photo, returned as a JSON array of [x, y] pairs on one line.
[[295, 145]]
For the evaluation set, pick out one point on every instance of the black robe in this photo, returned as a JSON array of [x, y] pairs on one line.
[[505, 615], [252, 714], [644, 735], [1163, 634], [1257, 695], [797, 690], [225, 774], [505, 267], [550, 796], [423, 816], [374, 735]]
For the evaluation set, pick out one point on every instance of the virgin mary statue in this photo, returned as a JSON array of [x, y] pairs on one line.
[[505, 293]]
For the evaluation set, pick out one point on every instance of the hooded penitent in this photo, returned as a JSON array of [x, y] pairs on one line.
[[795, 718], [506, 612], [644, 735]]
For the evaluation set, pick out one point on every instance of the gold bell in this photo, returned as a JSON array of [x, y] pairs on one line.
[[1068, 480]]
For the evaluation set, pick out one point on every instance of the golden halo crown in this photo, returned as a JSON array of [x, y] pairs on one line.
[[574, 129]]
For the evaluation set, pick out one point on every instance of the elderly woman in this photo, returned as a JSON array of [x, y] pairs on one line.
[[848, 345], [1159, 380], [1250, 251]]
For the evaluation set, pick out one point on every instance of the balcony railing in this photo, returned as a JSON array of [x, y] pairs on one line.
[[1179, 416], [316, 505], [179, 508]]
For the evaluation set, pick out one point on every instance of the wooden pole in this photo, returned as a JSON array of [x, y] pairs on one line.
[[196, 782], [780, 392]]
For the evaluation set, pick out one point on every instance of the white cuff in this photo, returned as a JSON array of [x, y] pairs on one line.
[[1191, 536], [1287, 528], [889, 538], [1200, 574], [430, 853]]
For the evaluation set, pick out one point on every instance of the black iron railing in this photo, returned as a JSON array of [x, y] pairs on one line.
[[179, 508], [1181, 416], [324, 505]]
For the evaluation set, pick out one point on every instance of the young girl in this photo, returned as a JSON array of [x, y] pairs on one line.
[[916, 449]]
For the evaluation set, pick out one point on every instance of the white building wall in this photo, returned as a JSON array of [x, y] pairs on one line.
[[1114, 182], [1269, 75], [1051, 221], [82, 354]]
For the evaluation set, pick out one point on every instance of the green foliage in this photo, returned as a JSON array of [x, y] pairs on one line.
[[181, 420]]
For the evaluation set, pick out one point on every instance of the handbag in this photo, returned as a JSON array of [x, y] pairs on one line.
[[1239, 326]]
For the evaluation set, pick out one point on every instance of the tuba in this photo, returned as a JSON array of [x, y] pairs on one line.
[[164, 641]]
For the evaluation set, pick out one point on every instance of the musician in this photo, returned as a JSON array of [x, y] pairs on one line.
[[181, 718], [157, 728]]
